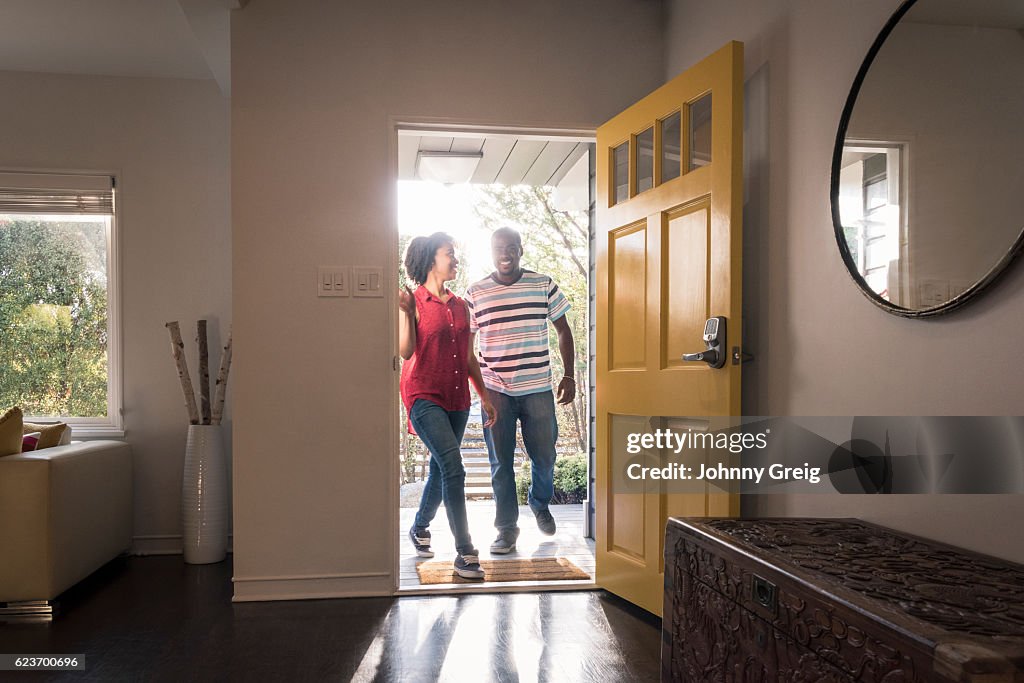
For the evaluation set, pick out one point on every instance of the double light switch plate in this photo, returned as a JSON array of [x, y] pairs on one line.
[[360, 281]]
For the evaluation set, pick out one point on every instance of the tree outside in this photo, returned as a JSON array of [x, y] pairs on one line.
[[53, 313]]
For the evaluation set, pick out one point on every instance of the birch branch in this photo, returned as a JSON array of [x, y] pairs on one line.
[[204, 372], [222, 382], [178, 351], [553, 222]]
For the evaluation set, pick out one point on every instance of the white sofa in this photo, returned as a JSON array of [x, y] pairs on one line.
[[65, 511]]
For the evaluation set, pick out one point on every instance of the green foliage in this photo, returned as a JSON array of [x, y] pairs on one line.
[[570, 480], [523, 482], [851, 233], [571, 477], [53, 313]]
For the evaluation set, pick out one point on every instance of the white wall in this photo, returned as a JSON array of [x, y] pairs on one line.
[[822, 348], [167, 140], [314, 85]]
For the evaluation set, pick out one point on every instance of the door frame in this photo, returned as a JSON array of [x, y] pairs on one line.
[[445, 127]]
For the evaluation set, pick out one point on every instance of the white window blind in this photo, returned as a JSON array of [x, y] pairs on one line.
[[50, 193]]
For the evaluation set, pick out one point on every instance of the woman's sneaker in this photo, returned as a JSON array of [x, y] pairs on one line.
[[421, 541], [467, 566]]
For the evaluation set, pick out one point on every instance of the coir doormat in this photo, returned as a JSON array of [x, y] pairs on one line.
[[532, 569]]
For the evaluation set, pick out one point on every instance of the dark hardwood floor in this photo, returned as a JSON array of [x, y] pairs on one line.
[[156, 618]]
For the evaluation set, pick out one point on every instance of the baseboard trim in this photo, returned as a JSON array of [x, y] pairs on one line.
[[312, 586], [163, 544]]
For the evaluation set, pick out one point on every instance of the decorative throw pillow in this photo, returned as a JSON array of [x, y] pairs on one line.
[[10, 432], [29, 442], [50, 435]]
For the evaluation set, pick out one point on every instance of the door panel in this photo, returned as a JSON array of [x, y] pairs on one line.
[[669, 202], [684, 273], [628, 276]]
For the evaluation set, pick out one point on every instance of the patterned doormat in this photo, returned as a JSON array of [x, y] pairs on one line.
[[532, 569]]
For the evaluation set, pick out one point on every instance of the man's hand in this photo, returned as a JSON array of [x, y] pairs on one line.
[[490, 411], [566, 391]]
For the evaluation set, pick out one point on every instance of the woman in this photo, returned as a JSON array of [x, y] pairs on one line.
[[434, 340]]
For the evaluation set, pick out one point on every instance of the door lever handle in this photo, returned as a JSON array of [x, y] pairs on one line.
[[709, 356], [714, 339]]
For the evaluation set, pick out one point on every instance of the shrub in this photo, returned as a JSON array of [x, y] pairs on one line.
[[570, 480], [523, 482]]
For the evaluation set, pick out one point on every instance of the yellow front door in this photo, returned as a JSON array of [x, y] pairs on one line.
[[669, 214]]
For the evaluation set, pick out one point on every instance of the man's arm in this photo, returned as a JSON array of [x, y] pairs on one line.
[[567, 350]]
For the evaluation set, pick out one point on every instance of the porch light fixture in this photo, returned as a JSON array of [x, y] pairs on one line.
[[450, 168]]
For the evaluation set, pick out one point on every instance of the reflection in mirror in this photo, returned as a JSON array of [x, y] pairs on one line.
[[869, 203], [930, 186]]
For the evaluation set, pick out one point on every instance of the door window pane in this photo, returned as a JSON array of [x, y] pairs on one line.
[[671, 142], [700, 133], [645, 160], [620, 160]]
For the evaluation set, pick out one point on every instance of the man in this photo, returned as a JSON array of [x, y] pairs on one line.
[[510, 310]]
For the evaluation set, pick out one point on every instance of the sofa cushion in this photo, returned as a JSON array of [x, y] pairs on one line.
[[50, 435], [11, 432]]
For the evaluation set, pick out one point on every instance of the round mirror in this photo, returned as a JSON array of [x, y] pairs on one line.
[[928, 167]]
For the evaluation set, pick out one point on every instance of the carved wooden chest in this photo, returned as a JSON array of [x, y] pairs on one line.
[[835, 600]]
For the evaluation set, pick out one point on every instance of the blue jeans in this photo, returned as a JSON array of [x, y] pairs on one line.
[[536, 412], [441, 430]]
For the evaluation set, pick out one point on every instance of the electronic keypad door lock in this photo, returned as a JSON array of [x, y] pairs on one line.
[[714, 339]]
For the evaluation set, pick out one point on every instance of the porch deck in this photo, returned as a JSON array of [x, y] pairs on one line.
[[567, 542]]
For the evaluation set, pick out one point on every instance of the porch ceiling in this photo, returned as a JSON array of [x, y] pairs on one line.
[[507, 159]]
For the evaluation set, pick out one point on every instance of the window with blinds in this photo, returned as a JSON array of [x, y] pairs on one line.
[[58, 296]]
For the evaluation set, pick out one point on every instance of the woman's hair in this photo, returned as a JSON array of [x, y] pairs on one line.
[[419, 255]]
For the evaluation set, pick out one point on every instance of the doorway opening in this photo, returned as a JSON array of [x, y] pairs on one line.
[[467, 182]]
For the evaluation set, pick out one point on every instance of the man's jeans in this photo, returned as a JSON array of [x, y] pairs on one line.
[[442, 432], [540, 431]]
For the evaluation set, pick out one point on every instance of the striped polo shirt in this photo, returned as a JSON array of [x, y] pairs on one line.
[[512, 322]]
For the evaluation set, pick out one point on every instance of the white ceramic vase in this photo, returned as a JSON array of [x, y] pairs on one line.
[[204, 496]]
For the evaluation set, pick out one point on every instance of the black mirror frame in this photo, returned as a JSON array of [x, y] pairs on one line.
[[956, 302]]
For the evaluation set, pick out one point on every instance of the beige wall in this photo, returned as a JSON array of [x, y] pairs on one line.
[[822, 348], [167, 140], [313, 87]]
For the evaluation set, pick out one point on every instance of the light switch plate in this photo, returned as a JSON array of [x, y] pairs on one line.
[[367, 281], [333, 281]]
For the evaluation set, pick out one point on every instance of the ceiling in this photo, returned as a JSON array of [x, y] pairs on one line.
[[507, 159], [154, 38]]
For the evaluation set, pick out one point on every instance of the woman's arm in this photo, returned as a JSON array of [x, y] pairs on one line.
[[406, 323], [477, 378]]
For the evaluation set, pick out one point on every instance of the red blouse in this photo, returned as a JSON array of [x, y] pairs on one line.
[[439, 368]]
